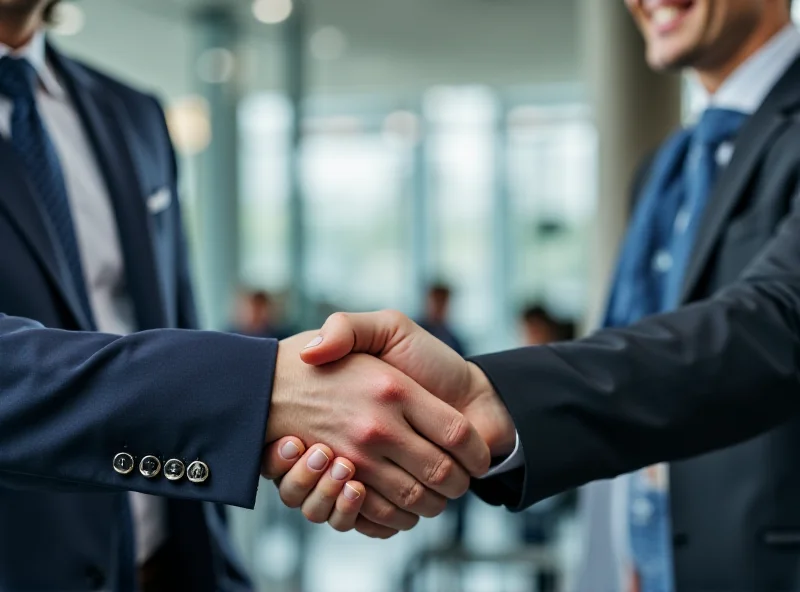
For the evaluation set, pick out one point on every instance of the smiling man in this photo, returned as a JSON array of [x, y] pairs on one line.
[[700, 200], [706, 203]]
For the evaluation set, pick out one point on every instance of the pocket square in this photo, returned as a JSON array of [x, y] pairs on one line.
[[159, 201]]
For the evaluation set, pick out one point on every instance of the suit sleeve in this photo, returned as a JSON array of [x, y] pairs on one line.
[[71, 401], [707, 376]]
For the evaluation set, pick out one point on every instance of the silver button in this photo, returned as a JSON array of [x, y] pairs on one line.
[[641, 511], [724, 154], [174, 469], [197, 472], [682, 221], [150, 466], [662, 261], [123, 463]]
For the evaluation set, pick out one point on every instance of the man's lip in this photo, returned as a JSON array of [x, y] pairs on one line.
[[650, 5], [665, 15]]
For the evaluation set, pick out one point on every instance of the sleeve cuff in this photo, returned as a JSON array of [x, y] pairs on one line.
[[515, 460]]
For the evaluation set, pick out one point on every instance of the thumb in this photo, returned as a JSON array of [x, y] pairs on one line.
[[344, 333]]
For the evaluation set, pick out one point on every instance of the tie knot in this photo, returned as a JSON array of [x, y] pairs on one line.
[[17, 79], [717, 126]]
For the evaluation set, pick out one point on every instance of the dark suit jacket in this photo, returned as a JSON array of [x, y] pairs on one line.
[[71, 400], [716, 373]]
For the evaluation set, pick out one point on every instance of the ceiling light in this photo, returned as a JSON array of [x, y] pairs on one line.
[[216, 65], [272, 11], [68, 19], [189, 122]]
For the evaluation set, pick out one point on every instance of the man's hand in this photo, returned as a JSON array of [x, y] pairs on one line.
[[401, 343], [395, 431], [322, 487]]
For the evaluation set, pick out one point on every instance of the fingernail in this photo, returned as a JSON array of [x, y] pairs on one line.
[[351, 492], [314, 342], [318, 460], [340, 472], [289, 451]]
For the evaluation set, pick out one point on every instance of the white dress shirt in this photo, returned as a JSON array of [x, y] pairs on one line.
[[97, 236], [747, 87]]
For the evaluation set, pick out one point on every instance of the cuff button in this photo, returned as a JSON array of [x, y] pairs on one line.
[[174, 469], [197, 472], [150, 466], [123, 463]]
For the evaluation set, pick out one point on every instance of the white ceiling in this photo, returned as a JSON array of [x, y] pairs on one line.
[[393, 45]]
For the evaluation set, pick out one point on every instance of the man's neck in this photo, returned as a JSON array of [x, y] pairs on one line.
[[16, 30], [714, 75]]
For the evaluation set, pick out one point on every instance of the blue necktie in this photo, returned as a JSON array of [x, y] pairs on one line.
[[675, 223], [716, 126], [32, 143]]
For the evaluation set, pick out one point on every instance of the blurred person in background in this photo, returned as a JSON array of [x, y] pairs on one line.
[[436, 322], [540, 326], [257, 316], [706, 202], [437, 310], [541, 521]]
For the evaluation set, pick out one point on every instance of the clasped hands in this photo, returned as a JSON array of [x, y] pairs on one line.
[[376, 394]]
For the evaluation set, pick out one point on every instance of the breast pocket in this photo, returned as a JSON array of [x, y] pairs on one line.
[[159, 201]]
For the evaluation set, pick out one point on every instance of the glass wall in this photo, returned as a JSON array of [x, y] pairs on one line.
[[492, 193], [371, 177]]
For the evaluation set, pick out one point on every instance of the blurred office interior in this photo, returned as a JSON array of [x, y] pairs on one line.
[[347, 154]]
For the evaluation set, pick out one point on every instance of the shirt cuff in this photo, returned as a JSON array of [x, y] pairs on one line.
[[515, 460]]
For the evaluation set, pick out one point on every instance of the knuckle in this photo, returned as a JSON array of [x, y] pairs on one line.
[[388, 388], [370, 433], [326, 496], [395, 318], [441, 471], [407, 525], [457, 432], [412, 495], [289, 499], [386, 514], [338, 318], [437, 507], [312, 516], [340, 527]]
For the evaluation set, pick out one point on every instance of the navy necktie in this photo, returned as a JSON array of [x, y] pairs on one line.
[[32, 143]]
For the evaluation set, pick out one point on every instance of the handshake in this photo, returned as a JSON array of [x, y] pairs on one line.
[[376, 392]]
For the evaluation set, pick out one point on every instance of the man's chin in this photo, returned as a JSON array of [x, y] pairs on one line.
[[669, 61]]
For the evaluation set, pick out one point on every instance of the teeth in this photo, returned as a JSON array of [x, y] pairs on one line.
[[665, 14]]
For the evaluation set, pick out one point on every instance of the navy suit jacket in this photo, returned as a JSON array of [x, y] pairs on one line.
[[71, 399]]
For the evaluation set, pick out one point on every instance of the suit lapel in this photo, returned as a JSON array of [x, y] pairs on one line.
[[107, 125], [756, 135], [21, 204]]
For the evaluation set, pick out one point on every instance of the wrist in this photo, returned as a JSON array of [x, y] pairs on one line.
[[489, 414], [284, 383]]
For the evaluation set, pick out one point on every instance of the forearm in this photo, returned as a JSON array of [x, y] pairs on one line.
[[706, 376], [71, 401]]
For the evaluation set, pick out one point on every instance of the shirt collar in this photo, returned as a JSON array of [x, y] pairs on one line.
[[35, 51], [747, 87]]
